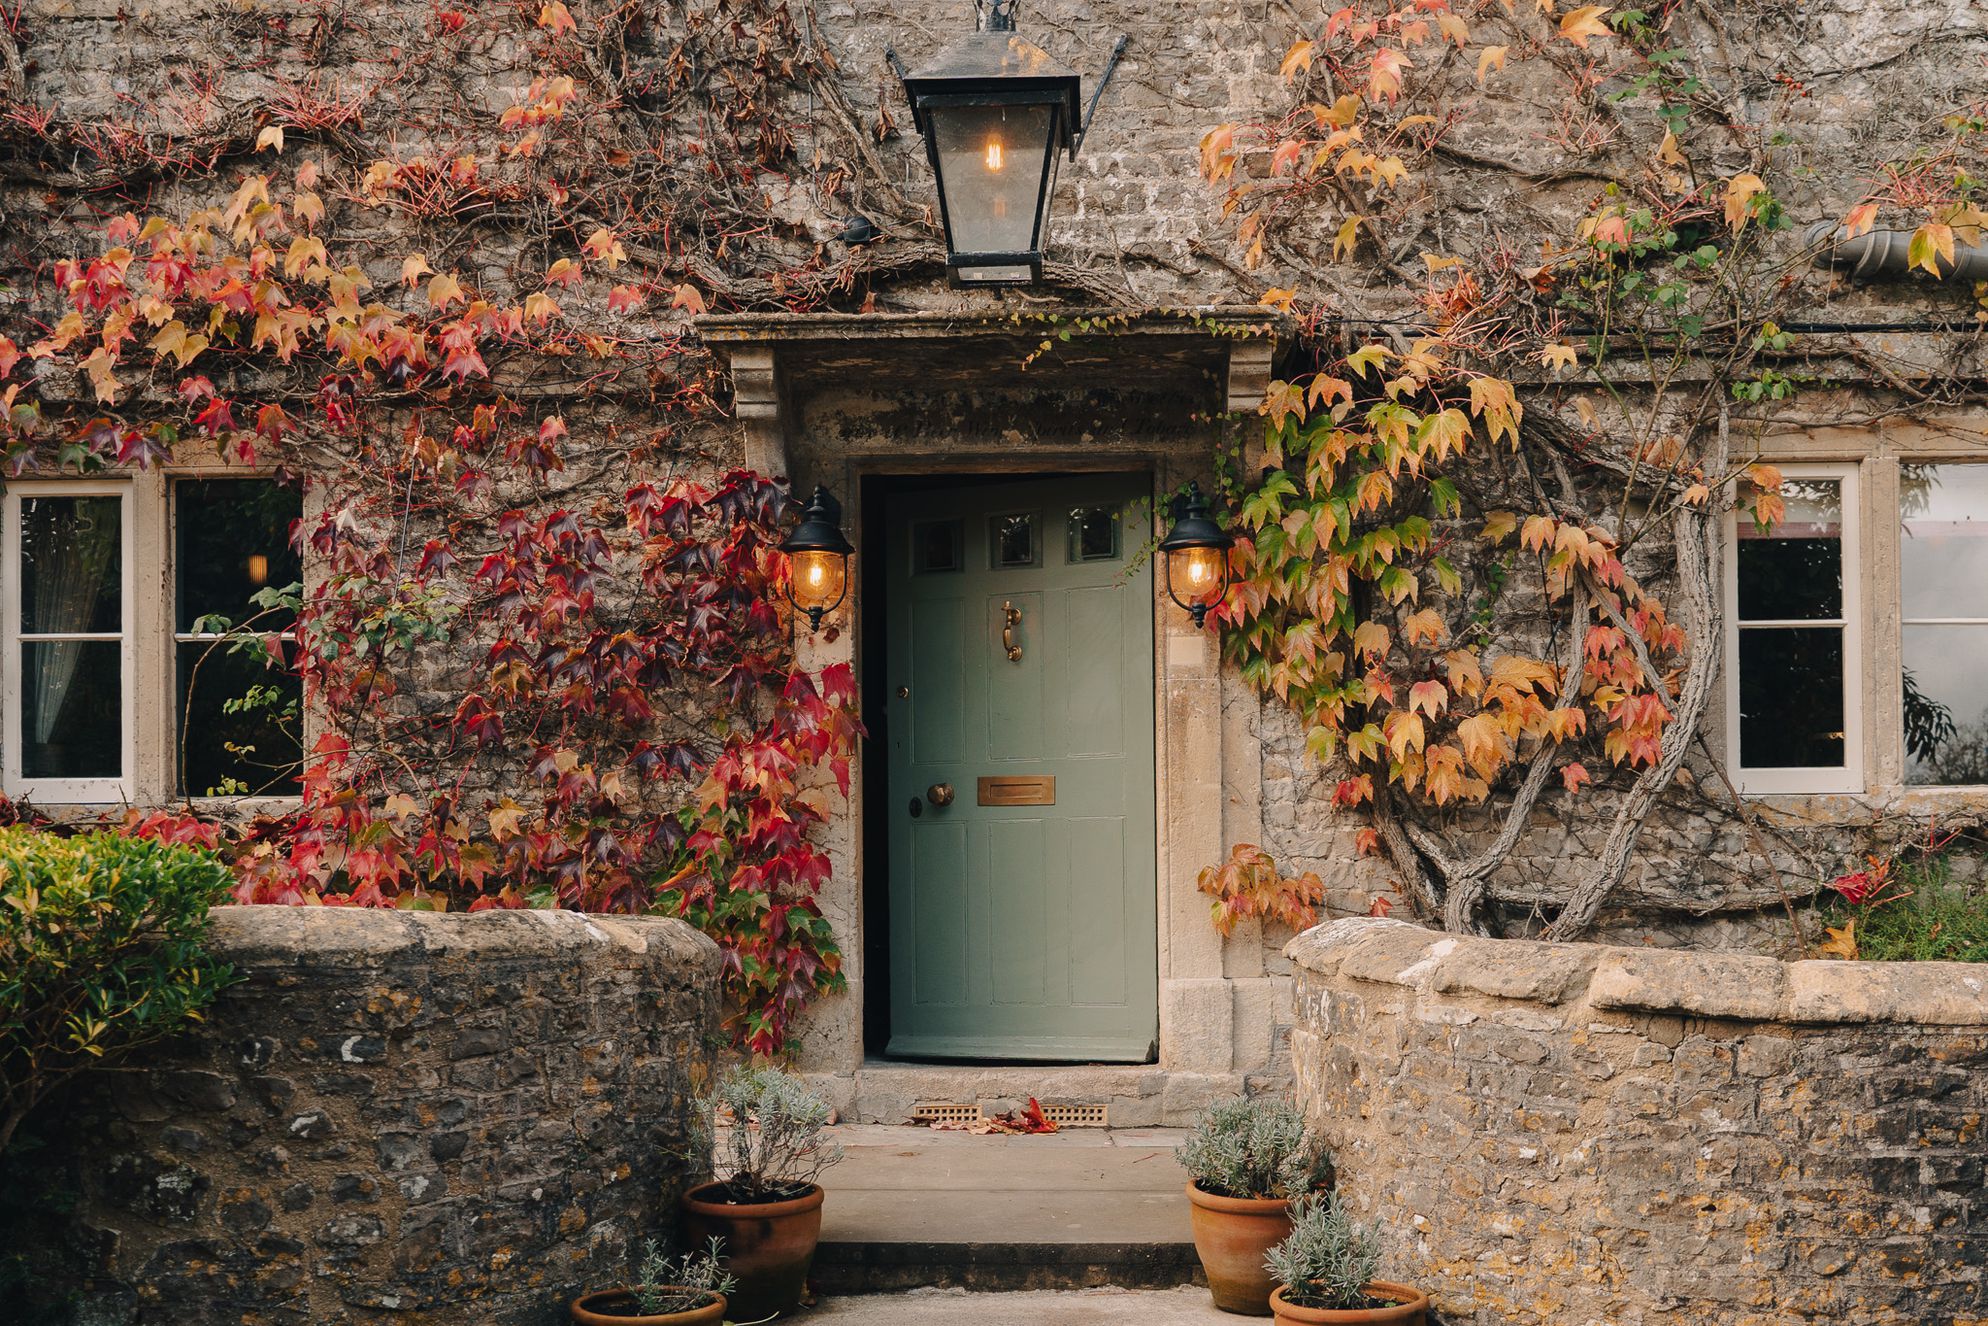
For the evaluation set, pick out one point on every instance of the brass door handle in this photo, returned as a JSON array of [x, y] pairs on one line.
[[1011, 617], [940, 794]]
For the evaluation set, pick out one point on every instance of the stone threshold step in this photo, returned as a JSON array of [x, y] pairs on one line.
[[895, 1267]]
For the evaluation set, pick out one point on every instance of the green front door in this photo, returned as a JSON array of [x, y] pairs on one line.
[[1023, 908]]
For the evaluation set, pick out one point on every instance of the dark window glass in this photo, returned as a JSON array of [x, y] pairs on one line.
[[1094, 534], [1790, 578], [1791, 698], [243, 722], [1013, 540], [72, 566], [72, 709], [236, 709], [232, 538], [937, 546]]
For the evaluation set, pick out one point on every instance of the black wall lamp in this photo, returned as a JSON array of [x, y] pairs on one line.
[[818, 559], [995, 112], [1197, 553]]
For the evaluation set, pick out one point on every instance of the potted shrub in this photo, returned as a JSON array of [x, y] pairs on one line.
[[764, 1204], [1246, 1161], [1325, 1272], [690, 1292]]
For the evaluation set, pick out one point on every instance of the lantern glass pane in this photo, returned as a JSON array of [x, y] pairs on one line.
[[1197, 576], [819, 579], [991, 164]]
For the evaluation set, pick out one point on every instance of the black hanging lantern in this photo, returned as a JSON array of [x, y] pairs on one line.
[[996, 111], [1197, 553], [818, 558]]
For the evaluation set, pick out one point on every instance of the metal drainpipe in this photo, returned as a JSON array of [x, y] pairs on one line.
[[1882, 253]]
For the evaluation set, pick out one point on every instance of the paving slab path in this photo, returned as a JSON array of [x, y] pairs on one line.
[[1086, 1207], [1187, 1306]]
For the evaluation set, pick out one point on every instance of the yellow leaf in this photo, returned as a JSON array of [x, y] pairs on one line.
[[1696, 494], [1424, 627], [1278, 298], [1297, 60], [400, 806], [271, 138], [444, 290], [1454, 28], [1739, 194], [1583, 23], [1490, 59], [1403, 730], [1498, 526], [1667, 151], [1340, 114], [1929, 242], [1765, 477], [1557, 356], [413, 267], [1366, 357], [505, 819], [1371, 639], [1348, 237], [1430, 697], [1842, 943], [555, 18]]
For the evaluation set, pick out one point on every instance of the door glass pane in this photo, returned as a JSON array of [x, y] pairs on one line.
[[242, 723], [72, 709], [1943, 540], [1094, 534], [1012, 540], [72, 566], [937, 546], [1794, 571], [231, 539], [1791, 698]]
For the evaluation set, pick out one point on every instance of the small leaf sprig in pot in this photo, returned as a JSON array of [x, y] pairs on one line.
[[1325, 1272], [771, 1146], [687, 1291], [1247, 1161]]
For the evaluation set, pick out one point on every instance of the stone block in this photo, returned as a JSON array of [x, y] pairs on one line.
[[1713, 985]]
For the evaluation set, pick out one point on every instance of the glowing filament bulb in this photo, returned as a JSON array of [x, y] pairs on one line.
[[994, 158], [817, 575]]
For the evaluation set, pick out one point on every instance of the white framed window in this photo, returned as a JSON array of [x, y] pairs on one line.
[[1794, 639], [70, 671], [1943, 622], [118, 683]]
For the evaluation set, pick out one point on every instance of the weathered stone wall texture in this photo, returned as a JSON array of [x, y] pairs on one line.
[[1575, 1134], [397, 1116]]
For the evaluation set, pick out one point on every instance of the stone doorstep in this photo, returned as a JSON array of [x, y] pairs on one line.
[[910, 1208], [1134, 1096]]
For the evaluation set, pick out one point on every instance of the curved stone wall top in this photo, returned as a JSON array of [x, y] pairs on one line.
[[1679, 981]]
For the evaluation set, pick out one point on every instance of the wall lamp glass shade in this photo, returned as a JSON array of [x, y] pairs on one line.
[[818, 559], [1197, 556], [995, 112]]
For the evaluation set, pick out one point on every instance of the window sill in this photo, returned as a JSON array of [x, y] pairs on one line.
[[1910, 801]]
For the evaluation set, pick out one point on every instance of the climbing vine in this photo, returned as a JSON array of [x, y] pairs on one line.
[[1478, 552]]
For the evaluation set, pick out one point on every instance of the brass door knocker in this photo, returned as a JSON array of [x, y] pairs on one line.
[[1011, 618]]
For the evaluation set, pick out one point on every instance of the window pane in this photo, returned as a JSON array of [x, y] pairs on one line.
[[1791, 698], [1943, 543], [231, 539], [1946, 706], [72, 709], [936, 547], [243, 723], [991, 164], [1795, 570], [1094, 534], [1012, 540], [72, 565]]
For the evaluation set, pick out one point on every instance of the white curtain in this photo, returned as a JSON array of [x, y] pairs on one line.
[[70, 550]]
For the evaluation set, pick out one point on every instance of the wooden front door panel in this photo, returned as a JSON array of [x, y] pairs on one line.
[[1023, 917]]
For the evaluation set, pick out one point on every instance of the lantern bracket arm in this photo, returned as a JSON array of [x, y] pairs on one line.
[[896, 63], [1097, 93]]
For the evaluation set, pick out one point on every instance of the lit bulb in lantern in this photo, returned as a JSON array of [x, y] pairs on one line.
[[995, 159], [1200, 573], [258, 569]]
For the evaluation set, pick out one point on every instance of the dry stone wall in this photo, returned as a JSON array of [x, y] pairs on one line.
[[1583, 1135], [396, 1116]]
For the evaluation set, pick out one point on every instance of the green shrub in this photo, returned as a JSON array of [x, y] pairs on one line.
[[1329, 1257], [1942, 919], [100, 951], [663, 1285], [1255, 1148]]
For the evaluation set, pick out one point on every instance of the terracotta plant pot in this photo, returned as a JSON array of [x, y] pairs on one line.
[[1411, 1308], [616, 1307], [1231, 1234], [768, 1246]]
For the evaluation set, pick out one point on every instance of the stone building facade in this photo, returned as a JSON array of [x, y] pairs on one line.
[[891, 376]]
